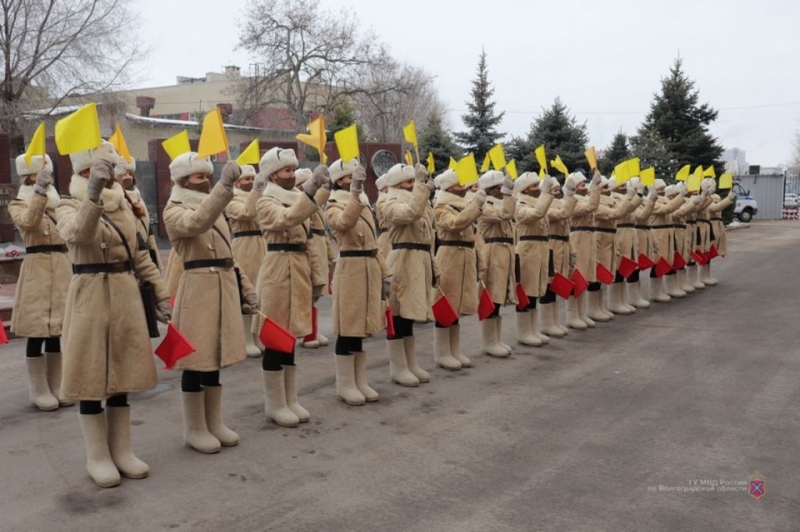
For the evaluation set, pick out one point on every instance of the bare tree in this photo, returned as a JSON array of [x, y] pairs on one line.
[[794, 163], [309, 59], [55, 49]]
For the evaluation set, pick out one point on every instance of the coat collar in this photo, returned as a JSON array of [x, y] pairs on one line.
[[287, 197], [134, 195], [343, 196], [190, 198], [26, 193], [448, 198], [238, 192], [399, 194], [113, 198]]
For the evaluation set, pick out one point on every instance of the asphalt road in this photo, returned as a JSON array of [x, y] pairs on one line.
[[608, 429]]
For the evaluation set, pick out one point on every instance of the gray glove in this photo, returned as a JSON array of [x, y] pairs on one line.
[[260, 182], [479, 198], [570, 187], [596, 179], [731, 194], [386, 288], [421, 174], [163, 311], [319, 178], [100, 174], [682, 190], [639, 187], [250, 305], [230, 173], [652, 193], [547, 185], [630, 191], [316, 293], [359, 177], [508, 186], [43, 181], [697, 199]]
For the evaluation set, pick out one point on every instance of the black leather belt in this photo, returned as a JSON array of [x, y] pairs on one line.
[[102, 267], [254, 232], [457, 244], [535, 238], [707, 221], [589, 229], [679, 226], [359, 253], [411, 245], [208, 263], [660, 227], [55, 248], [693, 222], [317, 232], [642, 226], [562, 238], [625, 225], [383, 229], [499, 240], [294, 248], [605, 230]]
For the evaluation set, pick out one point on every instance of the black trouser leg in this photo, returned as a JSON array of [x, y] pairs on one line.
[[191, 381], [90, 408], [271, 360], [594, 287], [634, 277], [618, 278], [403, 327], [33, 348], [496, 312], [440, 326], [118, 400]]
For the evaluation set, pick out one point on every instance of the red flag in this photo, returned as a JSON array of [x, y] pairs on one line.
[[523, 301], [580, 283], [276, 338], [603, 275], [699, 257], [662, 267], [627, 267], [679, 262], [174, 347], [3, 335], [443, 312], [713, 253], [485, 305], [645, 262], [390, 333], [561, 286]]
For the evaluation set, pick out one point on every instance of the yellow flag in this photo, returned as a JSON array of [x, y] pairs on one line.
[[466, 170], [79, 131], [37, 145], [648, 176], [710, 172], [559, 165], [511, 169], [726, 181], [693, 181], [118, 140], [633, 167], [540, 156], [409, 158], [683, 173], [452, 164], [498, 157], [251, 154], [177, 144], [591, 156], [410, 133], [431, 164], [317, 137], [621, 172], [486, 162], [212, 139], [347, 143]]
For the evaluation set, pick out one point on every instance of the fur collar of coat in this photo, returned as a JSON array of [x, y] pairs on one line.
[[287, 197], [113, 198], [343, 196], [26, 193], [190, 198]]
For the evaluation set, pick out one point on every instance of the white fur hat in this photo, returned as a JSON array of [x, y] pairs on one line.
[[525, 181], [577, 177], [399, 173], [611, 183], [187, 164], [339, 169], [660, 183], [671, 190], [634, 181], [446, 179], [381, 183], [604, 182], [248, 170], [83, 160], [301, 175], [36, 165], [277, 158], [490, 179]]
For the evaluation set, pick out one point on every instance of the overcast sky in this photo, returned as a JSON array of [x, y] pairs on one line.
[[605, 59]]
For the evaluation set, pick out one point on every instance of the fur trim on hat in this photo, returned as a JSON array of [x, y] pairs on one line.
[[339, 169], [398, 174], [381, 183], [248, 170], [190, 198], [660, 183], [400, 194], [445, 180], [26, 192], [113, 198], [35, 167], [83, 160], [301, 175], [277, 158], [525, 181], [187, 164], [490, 179]]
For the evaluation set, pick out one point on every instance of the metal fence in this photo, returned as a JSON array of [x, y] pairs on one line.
[[768, 190]]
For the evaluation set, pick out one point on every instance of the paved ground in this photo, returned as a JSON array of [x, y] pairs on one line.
[[594, 432]]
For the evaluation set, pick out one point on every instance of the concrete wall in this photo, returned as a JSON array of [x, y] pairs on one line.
[[768, 191]]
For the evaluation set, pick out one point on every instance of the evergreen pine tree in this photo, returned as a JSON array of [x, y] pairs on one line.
[[480, 119], [680, 123], [344, 116], [561, 135], [617, 152], [436, 139]]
